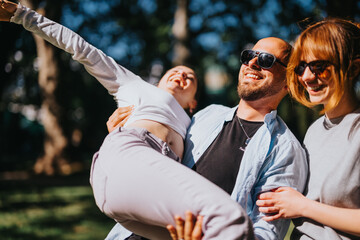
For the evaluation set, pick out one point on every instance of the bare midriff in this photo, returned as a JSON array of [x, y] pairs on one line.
[[165, 133]]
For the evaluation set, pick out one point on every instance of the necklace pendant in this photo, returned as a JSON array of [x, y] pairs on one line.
[[247, 139], [246, 143]]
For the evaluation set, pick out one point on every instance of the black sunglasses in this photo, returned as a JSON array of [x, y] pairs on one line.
[[264, 60], [316, 67]]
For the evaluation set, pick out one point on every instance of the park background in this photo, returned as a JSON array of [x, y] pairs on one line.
[[53, 113]]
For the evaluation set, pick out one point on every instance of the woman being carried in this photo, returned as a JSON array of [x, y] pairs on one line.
[[134, 176]]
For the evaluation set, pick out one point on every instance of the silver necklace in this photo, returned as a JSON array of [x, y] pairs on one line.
[[247, 136]]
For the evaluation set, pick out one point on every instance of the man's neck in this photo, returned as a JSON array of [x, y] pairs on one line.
[[253, 110]]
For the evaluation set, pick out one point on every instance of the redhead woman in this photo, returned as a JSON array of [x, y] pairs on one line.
[[323, 70]]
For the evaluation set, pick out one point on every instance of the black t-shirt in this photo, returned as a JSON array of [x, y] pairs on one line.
[[135, 237], [221, 161]]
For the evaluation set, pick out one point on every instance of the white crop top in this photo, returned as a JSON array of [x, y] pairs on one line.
[[151, 103]]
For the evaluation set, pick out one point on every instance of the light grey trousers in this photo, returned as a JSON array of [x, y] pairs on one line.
[[135, 182]]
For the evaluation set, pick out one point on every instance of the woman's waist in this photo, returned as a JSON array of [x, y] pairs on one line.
[[164, 132]]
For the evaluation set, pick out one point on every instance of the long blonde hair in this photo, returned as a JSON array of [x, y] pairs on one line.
[[334, 40]]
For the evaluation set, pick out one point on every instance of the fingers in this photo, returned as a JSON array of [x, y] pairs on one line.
[[273, 193], [172, 232], [189, 225], [119, 117], [269, 209], [8, 6], [179, 227], [122, 122], [265, 203], [7, 10], [121, 113], [188, 229], [266, 195], [197, 231], [282, 189], [110, 126], [271, 217]]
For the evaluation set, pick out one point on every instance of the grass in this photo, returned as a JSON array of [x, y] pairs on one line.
[[291, 227], [40, 211], [53, 209]]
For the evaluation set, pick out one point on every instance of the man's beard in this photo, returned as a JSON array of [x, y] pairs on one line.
[[252, 93]]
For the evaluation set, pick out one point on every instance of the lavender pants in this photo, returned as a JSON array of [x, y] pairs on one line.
[[137, 182]]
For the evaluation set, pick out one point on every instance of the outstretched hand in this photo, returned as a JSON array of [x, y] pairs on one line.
[[188, 229], [284, 202], [7, 10]]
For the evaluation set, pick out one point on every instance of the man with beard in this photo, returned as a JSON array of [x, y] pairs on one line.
[[248, 149]]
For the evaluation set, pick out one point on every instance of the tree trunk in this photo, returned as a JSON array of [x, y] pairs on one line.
[[181, 33], [55, 142]]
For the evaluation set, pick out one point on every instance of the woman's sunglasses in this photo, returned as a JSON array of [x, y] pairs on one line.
[[264, 60], [316, 67]]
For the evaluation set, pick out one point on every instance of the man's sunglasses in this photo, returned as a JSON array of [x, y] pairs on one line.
[[264, 60], [316, 67]]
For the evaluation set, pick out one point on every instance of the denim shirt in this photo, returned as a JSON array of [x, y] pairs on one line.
[[273, 158]]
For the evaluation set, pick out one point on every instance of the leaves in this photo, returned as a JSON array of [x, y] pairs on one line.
[[138, 34]]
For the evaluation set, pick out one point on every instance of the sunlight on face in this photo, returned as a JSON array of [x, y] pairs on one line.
[[181, 82]]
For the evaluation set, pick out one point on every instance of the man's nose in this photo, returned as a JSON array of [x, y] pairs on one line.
[[254, 64]]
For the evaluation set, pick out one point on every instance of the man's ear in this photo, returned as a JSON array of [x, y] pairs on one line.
[[192, 105]]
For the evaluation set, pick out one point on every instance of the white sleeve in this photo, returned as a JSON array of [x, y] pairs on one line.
[[98, 64]]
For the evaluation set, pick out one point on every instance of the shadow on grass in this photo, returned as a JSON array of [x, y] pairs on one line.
[[41, 210]]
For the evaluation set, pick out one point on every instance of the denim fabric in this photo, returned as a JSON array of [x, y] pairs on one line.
[[273, 158]]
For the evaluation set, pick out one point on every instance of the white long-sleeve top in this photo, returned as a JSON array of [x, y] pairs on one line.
[[150, 102]]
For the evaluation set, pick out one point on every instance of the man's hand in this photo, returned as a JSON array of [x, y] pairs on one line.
[[119, 117], [7, 10], [188, 229]]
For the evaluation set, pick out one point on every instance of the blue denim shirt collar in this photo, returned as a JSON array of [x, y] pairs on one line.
[[273, 158]]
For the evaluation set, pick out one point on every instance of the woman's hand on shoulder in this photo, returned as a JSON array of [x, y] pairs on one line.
[[190, 229], [7, 10]]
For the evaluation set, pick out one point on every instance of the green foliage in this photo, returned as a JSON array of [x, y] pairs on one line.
[[137, 34]]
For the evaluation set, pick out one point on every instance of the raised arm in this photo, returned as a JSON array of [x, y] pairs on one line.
[[102, 67]]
